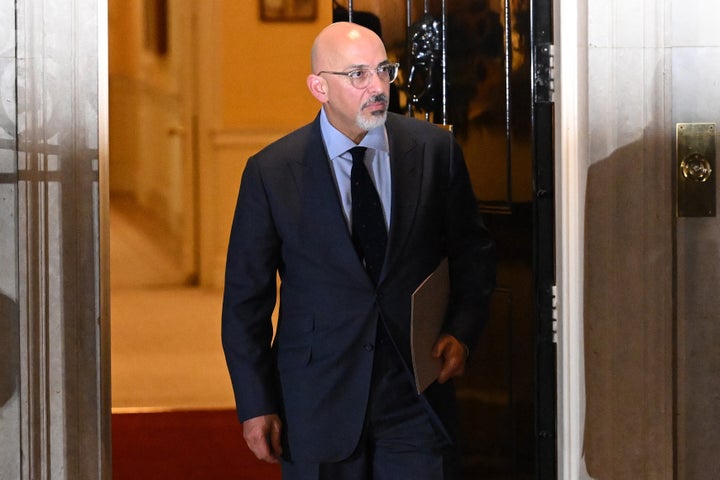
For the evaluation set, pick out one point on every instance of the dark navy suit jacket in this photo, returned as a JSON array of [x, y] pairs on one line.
[[289, 219]]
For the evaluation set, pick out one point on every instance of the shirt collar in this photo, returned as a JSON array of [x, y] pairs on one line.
[[336, 143]]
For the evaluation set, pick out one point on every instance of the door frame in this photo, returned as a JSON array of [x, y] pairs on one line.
[[570, 18], [570, 172]]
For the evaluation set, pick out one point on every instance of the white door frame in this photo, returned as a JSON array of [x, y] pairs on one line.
[[571, 174]]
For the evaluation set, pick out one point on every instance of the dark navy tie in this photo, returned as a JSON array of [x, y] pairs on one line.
[[368, 221]]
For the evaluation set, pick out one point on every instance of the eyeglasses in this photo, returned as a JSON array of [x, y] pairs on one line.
[[360, 77]]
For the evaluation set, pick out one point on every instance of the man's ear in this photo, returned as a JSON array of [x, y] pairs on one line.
[[318, 87]]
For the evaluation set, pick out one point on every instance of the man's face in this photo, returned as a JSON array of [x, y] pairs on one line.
[[353, 110]]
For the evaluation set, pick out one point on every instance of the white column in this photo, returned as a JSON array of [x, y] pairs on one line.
[[55, 409]]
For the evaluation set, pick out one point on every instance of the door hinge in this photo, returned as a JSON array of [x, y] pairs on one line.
[[554, 314], [544, 72]]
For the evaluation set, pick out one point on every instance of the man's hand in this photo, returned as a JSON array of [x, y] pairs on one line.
[[262, 435], [453, 354]]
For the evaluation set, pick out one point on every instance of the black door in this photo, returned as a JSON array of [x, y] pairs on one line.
[[482, 67]]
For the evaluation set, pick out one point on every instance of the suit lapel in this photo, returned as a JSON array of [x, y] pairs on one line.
[[325, 220], [321, 203], [406, 164]]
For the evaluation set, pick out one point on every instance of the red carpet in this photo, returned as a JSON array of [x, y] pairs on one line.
[[202, 445]]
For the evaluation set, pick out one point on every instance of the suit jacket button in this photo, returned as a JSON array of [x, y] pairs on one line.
[[368, 347]]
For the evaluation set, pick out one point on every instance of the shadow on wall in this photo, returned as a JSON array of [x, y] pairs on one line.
[[9, 353], [628, 309]]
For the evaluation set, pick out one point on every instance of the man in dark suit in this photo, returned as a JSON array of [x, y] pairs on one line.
[[333, 396]]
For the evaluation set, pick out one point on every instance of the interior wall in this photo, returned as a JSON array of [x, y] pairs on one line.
[[252, 91], [264, 66], [249, 89], [125, 43], [152, 104]]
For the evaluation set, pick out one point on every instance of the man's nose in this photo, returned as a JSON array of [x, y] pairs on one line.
[[376, 83]]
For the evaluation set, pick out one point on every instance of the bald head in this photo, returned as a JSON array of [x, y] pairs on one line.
[[351, 107], [337, 42]]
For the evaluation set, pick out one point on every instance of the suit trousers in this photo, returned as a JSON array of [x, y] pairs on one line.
[[399, 440]]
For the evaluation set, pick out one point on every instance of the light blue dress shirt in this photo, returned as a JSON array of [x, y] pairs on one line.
[[377, 159]]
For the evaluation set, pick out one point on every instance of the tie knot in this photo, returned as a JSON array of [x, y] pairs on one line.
[[358, 154]]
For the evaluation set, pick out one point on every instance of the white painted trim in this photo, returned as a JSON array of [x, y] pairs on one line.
[[571, 174], [236, 137]]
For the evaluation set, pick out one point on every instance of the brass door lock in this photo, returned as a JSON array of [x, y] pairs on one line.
[[696, 167]]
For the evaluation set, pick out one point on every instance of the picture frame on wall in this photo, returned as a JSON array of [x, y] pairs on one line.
[[288, 10]]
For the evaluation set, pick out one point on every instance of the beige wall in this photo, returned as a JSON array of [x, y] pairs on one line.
[[260, 69], [264, 66], [244, 82]]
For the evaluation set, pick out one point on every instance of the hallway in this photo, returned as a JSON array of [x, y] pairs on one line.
[[166, 351], [173, 409]]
